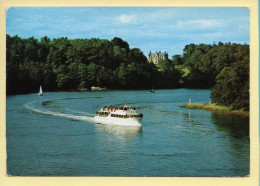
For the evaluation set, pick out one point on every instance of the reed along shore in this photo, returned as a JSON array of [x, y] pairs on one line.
[[216, 108]]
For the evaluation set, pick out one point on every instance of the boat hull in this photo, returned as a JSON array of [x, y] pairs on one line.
[[97, 88], [136, 121]]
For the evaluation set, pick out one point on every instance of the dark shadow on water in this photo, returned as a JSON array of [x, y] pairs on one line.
[[49, 104], [236, 126], [45, 103]]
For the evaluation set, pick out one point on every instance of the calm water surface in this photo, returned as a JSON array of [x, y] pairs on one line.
[[54, 135]]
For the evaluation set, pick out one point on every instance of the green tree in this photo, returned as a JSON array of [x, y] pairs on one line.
[[120, 43], [82, 74], [43, 49], [177, 60], [31, 48], [232, 86]]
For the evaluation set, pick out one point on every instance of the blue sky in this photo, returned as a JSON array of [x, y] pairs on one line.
[[148, 28]]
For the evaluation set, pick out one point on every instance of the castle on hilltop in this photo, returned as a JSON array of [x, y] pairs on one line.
[[155, 57]]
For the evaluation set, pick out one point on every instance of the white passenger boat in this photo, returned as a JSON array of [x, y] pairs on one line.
[[126, 116]]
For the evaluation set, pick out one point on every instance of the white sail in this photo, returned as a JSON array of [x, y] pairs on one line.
[[40, 92], [151, 91]]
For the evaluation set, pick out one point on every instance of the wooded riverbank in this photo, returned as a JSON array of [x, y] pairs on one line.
[[216, 108], [63, 64]]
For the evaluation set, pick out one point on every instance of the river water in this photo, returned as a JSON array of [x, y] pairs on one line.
[[54, 135]]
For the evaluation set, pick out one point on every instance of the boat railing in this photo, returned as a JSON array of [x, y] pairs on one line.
[[127, 115], [114, 108]]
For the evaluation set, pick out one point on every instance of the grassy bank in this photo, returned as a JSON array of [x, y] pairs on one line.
[[215, 108]]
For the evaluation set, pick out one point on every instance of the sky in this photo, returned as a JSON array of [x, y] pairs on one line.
[[148, 28]]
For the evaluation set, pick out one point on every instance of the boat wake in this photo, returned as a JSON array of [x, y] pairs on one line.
[[58, 114], [80, 112]]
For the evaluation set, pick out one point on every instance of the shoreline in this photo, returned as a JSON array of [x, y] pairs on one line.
[[89, 90], [213, 107]]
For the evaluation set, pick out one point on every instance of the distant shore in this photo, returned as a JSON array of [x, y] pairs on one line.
[[215, 108]]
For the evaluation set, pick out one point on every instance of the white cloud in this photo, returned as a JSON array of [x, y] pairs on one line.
[[200, 24], [127, 19], [147, 17]]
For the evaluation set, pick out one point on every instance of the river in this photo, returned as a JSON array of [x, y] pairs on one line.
[[54, 135]]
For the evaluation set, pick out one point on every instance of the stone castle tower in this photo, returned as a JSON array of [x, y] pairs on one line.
[[155, 57]]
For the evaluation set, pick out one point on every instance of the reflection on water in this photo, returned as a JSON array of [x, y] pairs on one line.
[[236, 126], [187, 116], [234, 132], [123, 132]]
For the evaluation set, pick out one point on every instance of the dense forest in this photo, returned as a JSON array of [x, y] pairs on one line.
[[75, 64], [223, 67]]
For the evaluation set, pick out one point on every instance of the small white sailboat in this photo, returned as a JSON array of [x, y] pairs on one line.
[[151, 91], [40, 92]]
